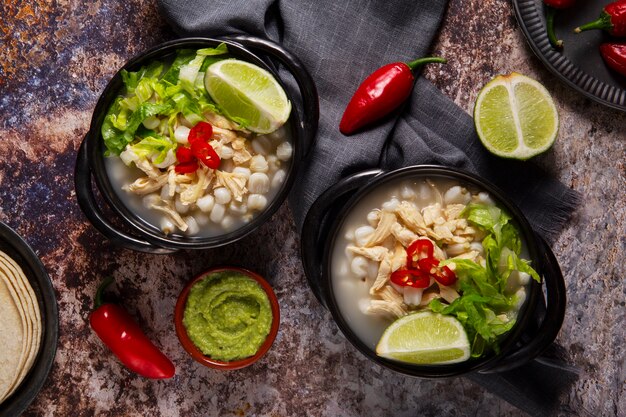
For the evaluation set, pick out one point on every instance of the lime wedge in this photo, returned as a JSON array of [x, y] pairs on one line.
[[425, 338], [515, 117], [248, 94]]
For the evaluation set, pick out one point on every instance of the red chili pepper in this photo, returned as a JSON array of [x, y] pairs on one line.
[[445, 276], [614, 55], [201, 131], [410, 278], [187, 167], [419, 249], [205, 154], [184, 155], [553, 5], [612, 19], [381, 93], [429, 265], [117, 329]]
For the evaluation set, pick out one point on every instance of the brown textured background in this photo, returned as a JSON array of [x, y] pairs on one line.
[[55, 58]]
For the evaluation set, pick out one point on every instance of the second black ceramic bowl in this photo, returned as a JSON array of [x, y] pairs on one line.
[[135, 232], [538, 321]]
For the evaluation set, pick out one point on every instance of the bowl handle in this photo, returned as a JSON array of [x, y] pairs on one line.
[[89, 206], [308, 90], [317, 226], [554, 315]]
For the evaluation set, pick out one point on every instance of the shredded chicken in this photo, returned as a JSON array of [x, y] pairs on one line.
[[220, 122], [377, 253], [429, 295], [147, 167], [453, 211], [448, 293], [399, 258], [388, 293], [384, 272], [431, 214], [387, 308], [171, 181], [387, 220], [146, 185], [471, 255], [223, 135], [235, 182], [411, 217], [172, 214], [196, 190], [241, 156], [403, 235]]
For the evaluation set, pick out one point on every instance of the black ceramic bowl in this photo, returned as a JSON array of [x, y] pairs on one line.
[[14, 246], [538, 321], [135, 232]]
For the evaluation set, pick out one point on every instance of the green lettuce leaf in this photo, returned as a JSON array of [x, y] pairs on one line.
[[483, 304], [153, 146]]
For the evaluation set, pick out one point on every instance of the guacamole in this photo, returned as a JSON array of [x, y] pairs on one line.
[[227, 316]]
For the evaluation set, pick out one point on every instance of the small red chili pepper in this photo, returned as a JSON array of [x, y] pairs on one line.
[[419, 249], [445, 276], [187, 167], [552, 6], [612, 19], [184, 155], [410, 278], [117, 329], [201, 131], [614, 55], [205, 154], [429, 265], [381, 93]]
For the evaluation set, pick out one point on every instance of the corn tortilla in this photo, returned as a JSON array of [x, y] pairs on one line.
[[20, 334]]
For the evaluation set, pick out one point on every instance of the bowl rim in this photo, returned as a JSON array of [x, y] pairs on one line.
[[425, 171], [149, 231], [191, 348]]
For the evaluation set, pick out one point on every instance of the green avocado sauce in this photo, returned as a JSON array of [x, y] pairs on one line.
[[228, 316]]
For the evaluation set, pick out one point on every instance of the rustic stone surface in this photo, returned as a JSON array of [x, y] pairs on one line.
[[56, 57]]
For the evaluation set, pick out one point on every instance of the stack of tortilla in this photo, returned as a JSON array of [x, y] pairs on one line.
[[20, 326]]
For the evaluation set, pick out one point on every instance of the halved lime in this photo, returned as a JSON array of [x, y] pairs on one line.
[[515, 117], [425, 338], [248, 94]]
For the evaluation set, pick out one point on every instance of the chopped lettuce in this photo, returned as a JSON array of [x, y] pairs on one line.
[[483, 304], [154, 147], [165, 93]]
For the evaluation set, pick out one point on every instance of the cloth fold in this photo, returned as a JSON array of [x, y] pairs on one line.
[[341, 43]]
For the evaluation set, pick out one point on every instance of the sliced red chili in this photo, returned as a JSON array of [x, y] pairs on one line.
[[445, 276], [419, 249], [200, 132], [410, 278], [428, 265], [186, 168], [184, 155], [205, 154]]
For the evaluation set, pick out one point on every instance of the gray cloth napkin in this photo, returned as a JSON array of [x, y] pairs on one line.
[[341, 42]]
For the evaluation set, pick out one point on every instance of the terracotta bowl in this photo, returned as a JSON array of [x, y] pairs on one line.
[[196, 353]]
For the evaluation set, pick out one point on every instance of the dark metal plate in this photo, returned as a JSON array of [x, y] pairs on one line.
[[579, 63], [14, 246]]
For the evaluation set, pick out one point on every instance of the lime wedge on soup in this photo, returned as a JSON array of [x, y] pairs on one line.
[[248, 95], [425, 338], [515, 117]]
